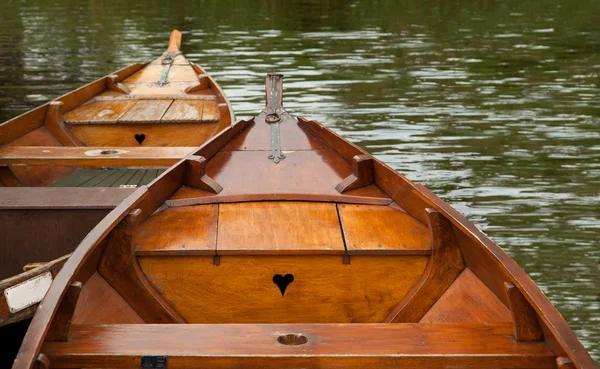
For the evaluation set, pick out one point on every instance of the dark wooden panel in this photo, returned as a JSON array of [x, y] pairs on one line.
[[61, 198], [42, 235]]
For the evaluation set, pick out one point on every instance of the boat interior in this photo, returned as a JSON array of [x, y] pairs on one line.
[[278, 244], [66, 164]]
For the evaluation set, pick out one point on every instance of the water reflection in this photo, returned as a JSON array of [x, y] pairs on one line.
[[492, 105]]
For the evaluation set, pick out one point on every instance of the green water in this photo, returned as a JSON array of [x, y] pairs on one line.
[[494, 105]]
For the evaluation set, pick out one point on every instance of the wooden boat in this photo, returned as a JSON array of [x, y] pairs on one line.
[[66, 164], [280, 244]]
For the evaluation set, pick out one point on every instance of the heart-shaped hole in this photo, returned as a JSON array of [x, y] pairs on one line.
[[140, 137], [283, 281]]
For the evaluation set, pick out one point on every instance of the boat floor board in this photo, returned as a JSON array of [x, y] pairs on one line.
[[328, 345], [118, 178], [62, 198]]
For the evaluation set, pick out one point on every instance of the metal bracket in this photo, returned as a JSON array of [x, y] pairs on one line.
[[167, 60]]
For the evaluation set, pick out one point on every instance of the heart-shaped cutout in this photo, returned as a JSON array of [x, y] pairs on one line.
[[140, 137], [283, 281]]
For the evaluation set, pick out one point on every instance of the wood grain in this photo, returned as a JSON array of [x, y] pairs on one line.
[[146, 111], [362, 174], [120, 268], [184, 111], [156, 134], [241, 289], [525, 322], [61, 324], [382, 230], [175, 231], [444, 266], [468, 300], [99, 303], [329, 345], [98, 112], [93, 156], [279, 228]]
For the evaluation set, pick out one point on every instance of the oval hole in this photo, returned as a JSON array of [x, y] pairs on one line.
[[293, 339], [108, 152]]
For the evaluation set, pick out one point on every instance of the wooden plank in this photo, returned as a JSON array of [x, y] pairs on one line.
[[137, 178], [210, 113], [121, 270], [22, 124], [149, 176], [62, 198], [110, 180], [328, 345], [93, 182], [61, 324], [98, 112], [177, 231], [324, 290], [56, 125], [174, 135], [183, 111], [93, 156], [99, 303], [279, 228], [185, 197], [525, 321], [445, 265], [145, 111], [125, 178], [382, 230], [362, 174], [78, 178], [468, 300], [308, 172], [114, 97]]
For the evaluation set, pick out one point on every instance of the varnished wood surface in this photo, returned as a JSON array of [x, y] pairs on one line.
[[323, 288], [468, 300], [333, 345], [183, 231], [93, 156], [99, 303], [183, 134], [444, 266], [383, 230], [120, 268], [241, 288], [279, 227]]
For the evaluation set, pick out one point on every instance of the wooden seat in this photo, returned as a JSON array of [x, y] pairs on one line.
[[92, 156], [299, 345]]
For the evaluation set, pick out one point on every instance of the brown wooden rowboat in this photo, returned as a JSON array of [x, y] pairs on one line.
[[66, 164], [281, 244]]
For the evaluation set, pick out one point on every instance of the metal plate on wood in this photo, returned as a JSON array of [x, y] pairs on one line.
[[153, 362], [27, 293]]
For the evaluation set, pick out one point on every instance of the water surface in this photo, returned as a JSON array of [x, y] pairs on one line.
[[493, 105]]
